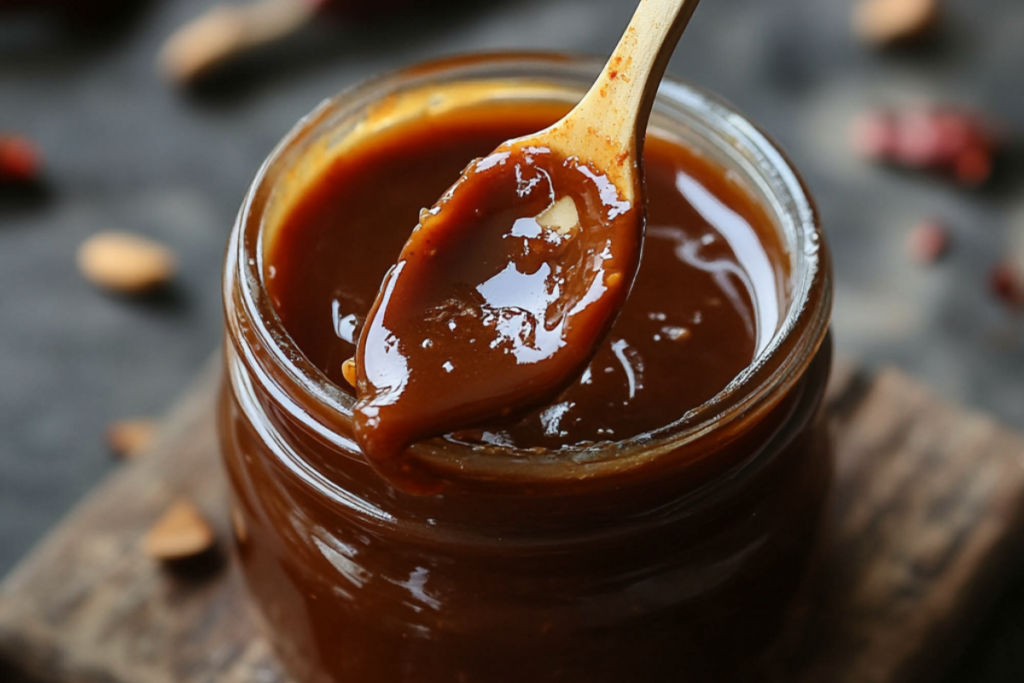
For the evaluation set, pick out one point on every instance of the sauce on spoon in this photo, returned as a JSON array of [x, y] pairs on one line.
[[507, 285]]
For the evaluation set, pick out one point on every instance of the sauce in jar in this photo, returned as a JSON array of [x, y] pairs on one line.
[[705, 291], [652, 523], [498, 300]]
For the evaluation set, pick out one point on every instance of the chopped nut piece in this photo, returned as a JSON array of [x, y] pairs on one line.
[[180, 534], [561, 216], [348, 371], [128, 438], [927, 242], [125, 263], [887, 22]]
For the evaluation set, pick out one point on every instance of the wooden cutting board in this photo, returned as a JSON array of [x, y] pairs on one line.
[[925, 527]]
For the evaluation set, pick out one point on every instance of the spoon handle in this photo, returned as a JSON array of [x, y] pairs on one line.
[[620, 101]]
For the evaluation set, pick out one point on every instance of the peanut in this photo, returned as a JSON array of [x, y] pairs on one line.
[[125, 263], [887, 22], [179, 534], [128, 438]]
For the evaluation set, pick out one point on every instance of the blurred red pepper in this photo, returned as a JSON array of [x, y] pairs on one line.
[[957, 143], [20, 160], [1007, 284]]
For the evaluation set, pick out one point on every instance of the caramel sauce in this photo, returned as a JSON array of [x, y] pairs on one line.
[[497, 301], [679, 565], [704, 300]]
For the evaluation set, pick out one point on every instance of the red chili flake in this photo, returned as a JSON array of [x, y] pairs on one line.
[[954, 142], [1006, 283], [20, 160], [928, 241]]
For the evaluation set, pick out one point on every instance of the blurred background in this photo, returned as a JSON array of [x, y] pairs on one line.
[[96, 136]]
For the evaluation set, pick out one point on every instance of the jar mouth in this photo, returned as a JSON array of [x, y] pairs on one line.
[[746, 150]]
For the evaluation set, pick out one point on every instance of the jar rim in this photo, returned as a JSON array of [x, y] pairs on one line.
[[295, 382]]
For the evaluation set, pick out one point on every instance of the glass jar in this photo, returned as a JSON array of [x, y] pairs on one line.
[[670, 555]]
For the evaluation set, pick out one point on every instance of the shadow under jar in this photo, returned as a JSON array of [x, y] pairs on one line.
[[657, 534]]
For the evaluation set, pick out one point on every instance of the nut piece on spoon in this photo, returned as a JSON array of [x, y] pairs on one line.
[[504, 289]]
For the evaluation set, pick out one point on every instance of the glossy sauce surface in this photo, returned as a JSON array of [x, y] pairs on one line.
[[705, 297], [666, 568], [498, 300]]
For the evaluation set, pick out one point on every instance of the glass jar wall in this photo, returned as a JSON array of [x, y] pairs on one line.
[[670, 554]]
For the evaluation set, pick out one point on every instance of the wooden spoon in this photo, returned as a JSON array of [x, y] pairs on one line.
[[508, 284], [607, 127]]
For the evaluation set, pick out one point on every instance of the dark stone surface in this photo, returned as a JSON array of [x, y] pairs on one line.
[[125, 151]]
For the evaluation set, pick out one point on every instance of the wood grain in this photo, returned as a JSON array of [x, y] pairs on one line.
[[922, 533]]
